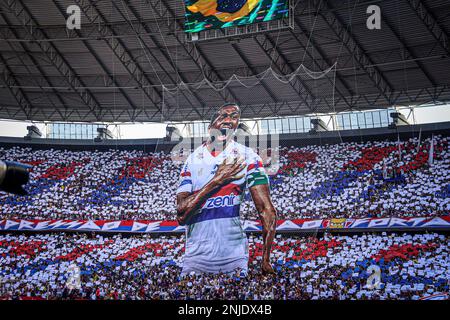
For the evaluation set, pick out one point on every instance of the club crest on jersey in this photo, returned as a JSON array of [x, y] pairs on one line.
[[221, 201], [213, 171]]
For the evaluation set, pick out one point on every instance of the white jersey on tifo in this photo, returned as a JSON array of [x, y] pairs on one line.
[[215, 240]]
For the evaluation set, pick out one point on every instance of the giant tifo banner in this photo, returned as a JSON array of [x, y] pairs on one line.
[[143, 226]]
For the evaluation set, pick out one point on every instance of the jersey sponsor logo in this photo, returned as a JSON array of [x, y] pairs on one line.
[[221, 201]]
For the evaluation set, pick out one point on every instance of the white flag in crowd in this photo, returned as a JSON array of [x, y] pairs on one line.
[[431, 154], [420, 138]]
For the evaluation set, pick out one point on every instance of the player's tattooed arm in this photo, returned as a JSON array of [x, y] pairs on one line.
[[268, 215], [188, 203]]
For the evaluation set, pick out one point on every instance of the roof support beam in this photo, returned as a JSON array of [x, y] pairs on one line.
[[323, 56], [321, 67], [54, 56], [280, 62], [247, 63], [102, 65], [13, 86], [162, 9], [350, 43], [120, 51], [163, 50], [204, 65], [430, 22], [39, 68], [410, 54]]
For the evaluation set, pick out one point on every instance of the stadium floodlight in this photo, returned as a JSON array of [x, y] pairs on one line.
[[173, 134], [33, 132], [398, 119], [103, 134], [318, 126]]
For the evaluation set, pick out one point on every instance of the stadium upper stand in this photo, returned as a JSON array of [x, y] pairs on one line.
[[378, 178]]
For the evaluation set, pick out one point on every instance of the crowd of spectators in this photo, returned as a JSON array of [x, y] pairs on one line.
[[372, 179], [369, 179], [89, 266]]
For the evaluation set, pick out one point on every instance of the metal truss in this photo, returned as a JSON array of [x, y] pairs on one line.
[[406, 97], [110, 78], [323, 57], [431, 24], [122, 53], [238, 31], [165, 53], [54, 56], [162, 10], [13, 87], [407, 54], [64, 114], [436, 95], [363, 60], [278, 59], [83, 104], [264, 45], [269, 48]]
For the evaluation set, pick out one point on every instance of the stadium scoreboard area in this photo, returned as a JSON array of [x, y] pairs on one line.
[[202, 15]]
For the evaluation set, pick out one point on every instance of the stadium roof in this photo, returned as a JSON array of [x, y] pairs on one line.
[[113, 68]]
